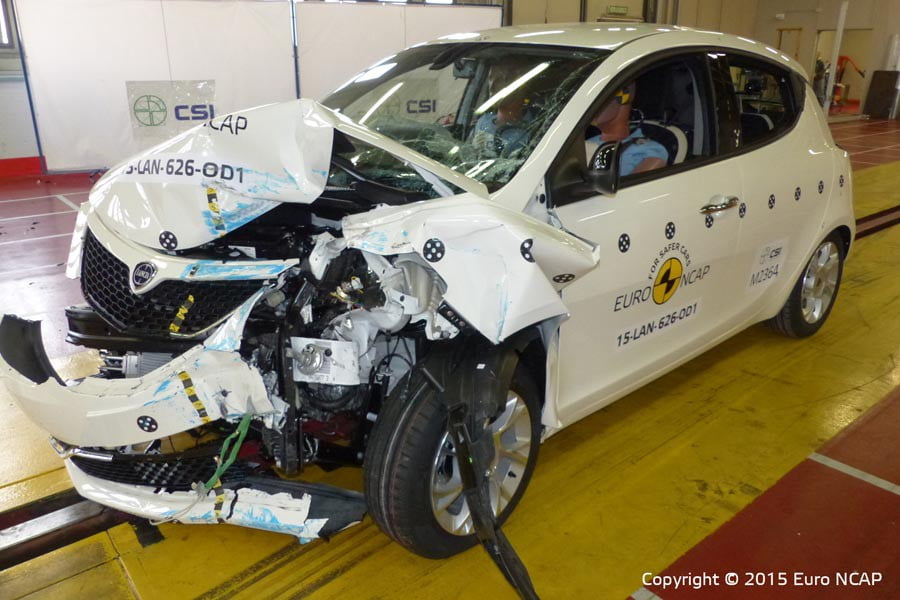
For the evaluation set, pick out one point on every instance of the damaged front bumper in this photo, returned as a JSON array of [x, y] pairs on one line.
[[92, 419], [307, 511], [201, 385]]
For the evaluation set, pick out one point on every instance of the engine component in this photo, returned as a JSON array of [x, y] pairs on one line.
[[324, 361], [132, 364], [138, 364]]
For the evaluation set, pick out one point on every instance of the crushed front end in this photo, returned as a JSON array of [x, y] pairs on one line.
[[254, 302]]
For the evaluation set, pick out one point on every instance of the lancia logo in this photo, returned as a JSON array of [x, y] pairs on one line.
[[142, 274]]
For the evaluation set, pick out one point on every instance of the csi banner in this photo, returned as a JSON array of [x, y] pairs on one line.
[[162, 109]]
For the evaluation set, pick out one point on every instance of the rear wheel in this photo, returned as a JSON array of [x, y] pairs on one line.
[[412, 480], [813, 295]]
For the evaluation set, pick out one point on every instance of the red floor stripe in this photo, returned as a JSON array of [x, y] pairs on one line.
[[867, 443], [815, 522], [12, 167]]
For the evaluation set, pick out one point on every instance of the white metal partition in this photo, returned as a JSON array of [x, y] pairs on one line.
[[112, 77], [80, 54], [337, 40]]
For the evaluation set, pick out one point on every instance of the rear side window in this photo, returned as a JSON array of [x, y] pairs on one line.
[[765, 98]]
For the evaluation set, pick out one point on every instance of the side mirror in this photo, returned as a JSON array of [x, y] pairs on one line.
[[603, 169]]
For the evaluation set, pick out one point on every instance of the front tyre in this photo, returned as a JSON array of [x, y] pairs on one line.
[[813, 295], [411, 473]]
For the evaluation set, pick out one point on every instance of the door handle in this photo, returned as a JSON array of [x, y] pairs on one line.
[[726, 203]]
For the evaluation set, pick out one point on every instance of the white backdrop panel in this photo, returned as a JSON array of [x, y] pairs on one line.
[[338, 40], [77, 69], [247, 47], [425, 22], [79, 54]]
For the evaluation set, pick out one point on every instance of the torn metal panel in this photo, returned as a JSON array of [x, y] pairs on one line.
[[469, 241], [305, 514], [199, 386]]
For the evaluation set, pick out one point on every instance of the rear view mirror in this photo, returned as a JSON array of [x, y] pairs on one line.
[[603, 169], [464, 68]]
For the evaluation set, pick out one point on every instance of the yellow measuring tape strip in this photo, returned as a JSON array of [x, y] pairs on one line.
[[181, 315], [212, 200], [192, 396], [220, 500]]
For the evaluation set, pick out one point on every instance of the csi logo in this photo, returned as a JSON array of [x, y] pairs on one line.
[[769, 253], [194, 112], [421, 106]]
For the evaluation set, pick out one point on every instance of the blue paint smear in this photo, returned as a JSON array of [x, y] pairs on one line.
[[219, 270], [374, 241], [262, 183], [262, 517]]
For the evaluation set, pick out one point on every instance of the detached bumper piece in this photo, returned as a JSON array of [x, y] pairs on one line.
[[306, 511], [22, 349], [173, 472], [199, 386]]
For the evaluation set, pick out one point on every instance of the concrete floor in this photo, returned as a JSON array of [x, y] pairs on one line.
[[634, 488]]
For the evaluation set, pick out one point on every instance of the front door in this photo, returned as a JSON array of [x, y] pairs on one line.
[[665, 284]]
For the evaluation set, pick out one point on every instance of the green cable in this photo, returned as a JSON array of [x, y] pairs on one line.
[[224, 463]]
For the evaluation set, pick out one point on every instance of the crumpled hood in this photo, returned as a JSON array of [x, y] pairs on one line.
[[210, 180]]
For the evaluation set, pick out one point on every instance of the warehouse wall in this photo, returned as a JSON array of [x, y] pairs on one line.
[[857, 44], [731, 16], [529, 12], [597, 8], [812, 16], [16, 132]]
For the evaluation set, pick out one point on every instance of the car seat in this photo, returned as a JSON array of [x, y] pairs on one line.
[[672, 138]]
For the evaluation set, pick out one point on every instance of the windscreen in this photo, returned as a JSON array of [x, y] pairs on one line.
[[479, 109]]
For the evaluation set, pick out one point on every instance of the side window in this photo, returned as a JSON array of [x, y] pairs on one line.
[[662, 117], [659, 117], [765, 98]]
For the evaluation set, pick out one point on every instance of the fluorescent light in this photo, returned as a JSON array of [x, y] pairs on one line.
[[459, 36], [4, 34], [511, 88], [379, 102], [536, 33], [375, 72]]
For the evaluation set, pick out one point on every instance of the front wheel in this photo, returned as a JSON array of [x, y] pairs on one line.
[[411, 472], [813, 295]]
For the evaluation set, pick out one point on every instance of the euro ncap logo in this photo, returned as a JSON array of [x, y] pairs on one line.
[[667, 281], [150, 110]]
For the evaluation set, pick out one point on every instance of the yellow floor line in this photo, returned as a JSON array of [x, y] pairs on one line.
[[875, 189], [625, 491], [35, 470]]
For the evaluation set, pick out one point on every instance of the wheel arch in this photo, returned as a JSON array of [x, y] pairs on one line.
[[846, 237]]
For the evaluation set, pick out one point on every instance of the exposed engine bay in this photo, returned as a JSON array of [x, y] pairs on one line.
[[329, 337], [265, 319]]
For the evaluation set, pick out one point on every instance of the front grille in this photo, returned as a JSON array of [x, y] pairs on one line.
[[104, 283], [170, 472]]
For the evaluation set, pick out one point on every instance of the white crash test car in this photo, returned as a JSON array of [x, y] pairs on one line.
[[475, 242]]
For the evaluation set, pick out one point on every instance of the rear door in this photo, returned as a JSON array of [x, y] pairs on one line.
[[787, 173], [665, 284]]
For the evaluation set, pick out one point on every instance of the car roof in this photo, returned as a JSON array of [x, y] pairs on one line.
[[611, 36], [589, 35]]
